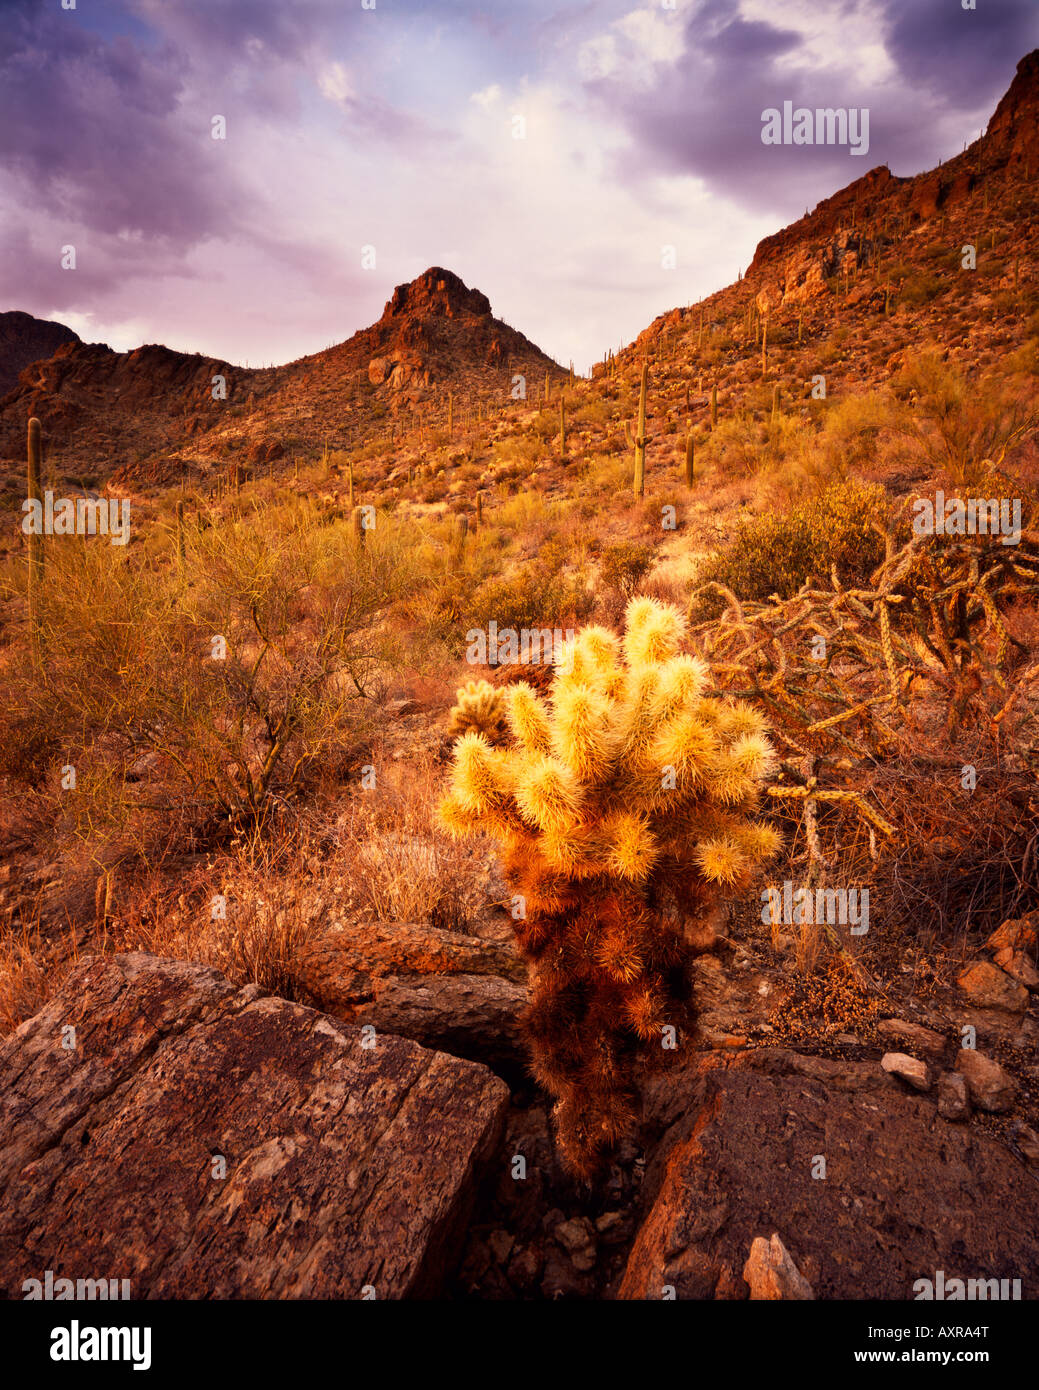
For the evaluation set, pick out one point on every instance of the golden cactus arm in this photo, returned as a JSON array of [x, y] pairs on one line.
[[814, 794]]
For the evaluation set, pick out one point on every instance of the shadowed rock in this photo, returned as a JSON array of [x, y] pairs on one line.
[[346, 1166]]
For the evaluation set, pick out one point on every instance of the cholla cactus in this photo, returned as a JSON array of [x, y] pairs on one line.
[[480, 708], [623, 803]]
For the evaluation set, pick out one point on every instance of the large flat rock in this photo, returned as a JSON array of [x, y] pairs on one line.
[[903, 1193], [346, 1166]]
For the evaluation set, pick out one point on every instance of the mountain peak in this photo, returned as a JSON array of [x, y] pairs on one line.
[[436, 291], [1013, 132]]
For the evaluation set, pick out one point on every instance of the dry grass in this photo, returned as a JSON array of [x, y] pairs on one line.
[[409, 870]]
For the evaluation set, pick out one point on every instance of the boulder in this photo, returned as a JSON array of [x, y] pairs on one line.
[[1018, 966], [206, 1141], [910, 1069], [475, 1016], [912, 1035], [1017, 933], [991, 988], [991, 1088], [902, 1192], [953, 1098], [339, 970], [771, 1273]]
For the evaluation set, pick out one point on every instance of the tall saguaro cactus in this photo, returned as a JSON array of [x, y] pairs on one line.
[[562, 427], [640, 437], [714, 406], [35, 536], [689, 459]]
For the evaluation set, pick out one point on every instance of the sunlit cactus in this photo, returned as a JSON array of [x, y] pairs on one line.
[[480, 708], [624, 801]]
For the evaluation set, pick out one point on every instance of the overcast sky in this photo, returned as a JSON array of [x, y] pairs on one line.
[[395, 127]]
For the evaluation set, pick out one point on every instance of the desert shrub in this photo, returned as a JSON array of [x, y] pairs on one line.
[[622, 565], [774, 553], [231, 676], [965, 427], [540, 593], [920, 288], [625, 802]]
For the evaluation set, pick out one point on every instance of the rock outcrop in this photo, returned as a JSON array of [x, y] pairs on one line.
[[203, 1141], [822, 1155], [25, 340]]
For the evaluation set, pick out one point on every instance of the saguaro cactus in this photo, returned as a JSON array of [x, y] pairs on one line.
[[640, 438], [35, 468], [623, 802], [562, 427], [764, 345], [714, 406], [689, 459]]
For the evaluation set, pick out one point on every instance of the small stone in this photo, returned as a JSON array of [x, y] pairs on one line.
[[1018, 933], [953, 1100], [1027, 1141], [1018, 967], [500, 1244], [524, 1269], [991, 988], [910, 1069], [577, 1237], [991, 1088], [771, 1273], [913, 1035]]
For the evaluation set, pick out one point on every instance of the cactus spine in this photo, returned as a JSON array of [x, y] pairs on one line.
[[640, 438]]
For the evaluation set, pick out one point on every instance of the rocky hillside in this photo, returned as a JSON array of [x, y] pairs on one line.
[[24, 340], [151, 414]]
